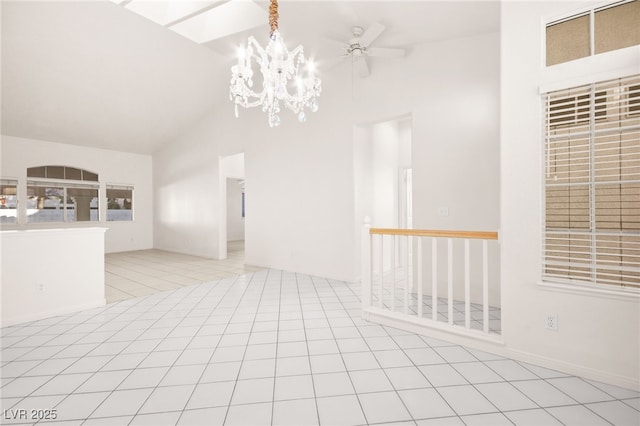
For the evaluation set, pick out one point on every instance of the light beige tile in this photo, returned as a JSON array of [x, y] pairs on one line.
[[145, 272]]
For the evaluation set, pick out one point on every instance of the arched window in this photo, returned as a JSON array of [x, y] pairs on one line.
[[62, 194]]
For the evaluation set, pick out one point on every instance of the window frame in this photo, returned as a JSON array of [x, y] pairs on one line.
[[8, 181], [590, 12], [119, 186], [65, 185]]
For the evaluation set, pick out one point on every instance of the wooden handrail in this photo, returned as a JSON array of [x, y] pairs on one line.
[[480, 235]]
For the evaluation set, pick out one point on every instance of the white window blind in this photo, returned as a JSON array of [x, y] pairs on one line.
[[592, 184]]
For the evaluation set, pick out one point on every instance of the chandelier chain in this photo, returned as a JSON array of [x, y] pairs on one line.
[[273, 16]]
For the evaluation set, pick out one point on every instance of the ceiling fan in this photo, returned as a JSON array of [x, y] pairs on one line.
[[359, 47]]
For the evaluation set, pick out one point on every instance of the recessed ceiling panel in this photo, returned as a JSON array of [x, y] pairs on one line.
[[166, 12], [228, 18]]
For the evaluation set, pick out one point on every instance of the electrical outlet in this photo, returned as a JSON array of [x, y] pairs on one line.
[[551, 322], [443, 211]]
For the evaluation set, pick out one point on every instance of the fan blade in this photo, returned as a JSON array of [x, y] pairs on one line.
[[372, 33], [385, 52], [360, 67]]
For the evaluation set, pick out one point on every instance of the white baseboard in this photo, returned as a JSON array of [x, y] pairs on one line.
[[495, 345], [7, 322], [574, 369], [471, 338]]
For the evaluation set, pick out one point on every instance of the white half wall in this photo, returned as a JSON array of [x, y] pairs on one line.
[[599, 333], [49, 272], [112, 167]]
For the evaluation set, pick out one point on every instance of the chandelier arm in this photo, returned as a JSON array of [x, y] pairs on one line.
[[255, 103], [299, 50], [295, 107], [252, 42], [251, 94]]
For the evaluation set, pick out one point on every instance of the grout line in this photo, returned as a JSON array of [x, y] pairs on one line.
[[306, 341], [264, 284]]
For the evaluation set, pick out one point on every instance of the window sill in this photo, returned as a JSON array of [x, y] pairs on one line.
[[591, 290], [58, 225], [49, 225]]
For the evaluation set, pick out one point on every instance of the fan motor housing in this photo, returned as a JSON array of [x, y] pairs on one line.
[[356, 49], [357, 31]]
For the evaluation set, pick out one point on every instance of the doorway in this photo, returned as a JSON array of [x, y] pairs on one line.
[[383, 179], [235, 217], [232, 199]]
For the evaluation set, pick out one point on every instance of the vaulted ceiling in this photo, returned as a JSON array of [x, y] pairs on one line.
[[96, 73]]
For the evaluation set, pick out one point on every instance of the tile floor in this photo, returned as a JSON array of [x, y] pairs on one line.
[[144, 272], [274, 348]]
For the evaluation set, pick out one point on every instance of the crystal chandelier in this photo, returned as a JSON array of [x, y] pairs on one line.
[[288, 79]]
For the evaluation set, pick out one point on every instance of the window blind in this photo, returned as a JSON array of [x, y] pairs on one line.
[[591, 221]]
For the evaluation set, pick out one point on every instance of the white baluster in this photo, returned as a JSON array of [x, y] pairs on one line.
[[419, 278], [367, 254], [394, 240], [467, 286], [450, 278], [381, 270], [485, 286], [406, 277], [434, 278]]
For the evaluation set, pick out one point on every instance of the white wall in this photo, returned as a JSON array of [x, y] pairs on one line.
[[300, 177], [599, 334], [49, 272], [385, 149], [235, 221], [112, 167], [185, 180], [188, 183]]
